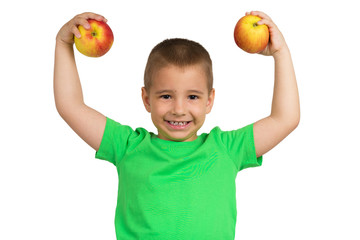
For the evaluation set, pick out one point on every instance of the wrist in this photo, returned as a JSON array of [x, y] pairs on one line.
[[60, 41], [63, 44], [281, 53], [63, 48]]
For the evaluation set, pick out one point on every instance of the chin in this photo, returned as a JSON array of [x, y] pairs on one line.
[[178, 137]]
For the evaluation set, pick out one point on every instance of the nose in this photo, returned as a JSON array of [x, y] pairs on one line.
[[178, 107]]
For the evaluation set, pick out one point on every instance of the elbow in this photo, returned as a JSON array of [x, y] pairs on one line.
[[67, 109], [58, 107], [61, 109], [293, 122], [292, 118], [297, 119], [287, 123]]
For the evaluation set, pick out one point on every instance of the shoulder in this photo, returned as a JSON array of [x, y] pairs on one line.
[[117, 132], [228, 135], [113, 126], [238, 144], [118, 139], [229, 138]]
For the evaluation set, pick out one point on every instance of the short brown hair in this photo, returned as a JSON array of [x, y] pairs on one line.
[[181, 53]]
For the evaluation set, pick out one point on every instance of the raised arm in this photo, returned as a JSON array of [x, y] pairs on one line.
[[85, 121], [285, 110]]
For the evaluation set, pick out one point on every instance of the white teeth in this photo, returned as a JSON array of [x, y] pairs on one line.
[[177, 123]]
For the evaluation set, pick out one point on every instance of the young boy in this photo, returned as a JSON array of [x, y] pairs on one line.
[[176, 184]]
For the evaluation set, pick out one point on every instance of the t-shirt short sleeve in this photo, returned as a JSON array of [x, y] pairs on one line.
[[116, 140], [241, 147]]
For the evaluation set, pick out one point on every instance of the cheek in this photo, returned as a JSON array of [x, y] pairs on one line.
[[199, 110], [158, 109]]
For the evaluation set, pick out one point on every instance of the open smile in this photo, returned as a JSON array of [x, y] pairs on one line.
[[178, 124]]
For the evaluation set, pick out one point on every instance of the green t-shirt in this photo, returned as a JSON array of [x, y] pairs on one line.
[[176, 190]]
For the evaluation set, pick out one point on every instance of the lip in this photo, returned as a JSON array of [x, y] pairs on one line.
[[178, 127]]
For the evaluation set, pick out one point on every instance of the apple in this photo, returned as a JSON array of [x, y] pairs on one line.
[[96, 41], [249, 36]]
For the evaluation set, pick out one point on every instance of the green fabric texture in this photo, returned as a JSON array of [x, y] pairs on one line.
[[177, 190]]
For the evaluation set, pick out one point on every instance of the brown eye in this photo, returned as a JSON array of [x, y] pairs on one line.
[[165, 96], [193, 97]]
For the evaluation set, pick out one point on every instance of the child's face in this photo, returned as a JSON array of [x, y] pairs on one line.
[[178, 101]]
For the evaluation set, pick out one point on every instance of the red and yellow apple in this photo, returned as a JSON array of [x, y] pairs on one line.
[[249, 36], [95, 41]]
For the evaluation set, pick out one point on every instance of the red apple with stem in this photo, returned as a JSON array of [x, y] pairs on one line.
[[95, 41], [249, 36]]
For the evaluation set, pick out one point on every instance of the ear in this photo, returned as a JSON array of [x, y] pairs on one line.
[[146, 99], [210, 101]]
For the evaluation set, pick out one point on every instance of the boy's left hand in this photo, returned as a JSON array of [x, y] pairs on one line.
[[285, 108], [277, 42]]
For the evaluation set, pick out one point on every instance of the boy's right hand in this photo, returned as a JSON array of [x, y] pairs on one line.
[[85, 121], [67, 32]]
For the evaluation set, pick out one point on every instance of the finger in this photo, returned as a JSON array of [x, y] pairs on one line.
[[75, 31], [82, 21], [260, 14], [267, 22], [90, 15], [101, 18]]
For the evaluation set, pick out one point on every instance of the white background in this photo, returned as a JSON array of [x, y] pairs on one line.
[[51, 185]]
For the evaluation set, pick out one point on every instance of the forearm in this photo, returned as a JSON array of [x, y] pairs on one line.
[[285, 104], [67, 86]]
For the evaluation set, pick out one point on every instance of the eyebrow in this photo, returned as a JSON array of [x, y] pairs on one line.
[[171, 91], [163, 91], [196, 91]]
